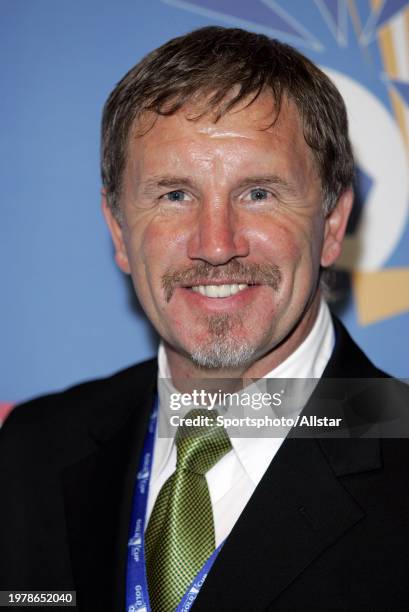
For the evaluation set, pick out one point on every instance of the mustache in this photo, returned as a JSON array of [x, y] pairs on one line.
[[234, 271]]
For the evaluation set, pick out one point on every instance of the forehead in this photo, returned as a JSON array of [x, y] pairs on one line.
[[253, 129]]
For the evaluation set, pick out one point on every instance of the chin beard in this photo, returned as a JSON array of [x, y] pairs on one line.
[[223, 350]]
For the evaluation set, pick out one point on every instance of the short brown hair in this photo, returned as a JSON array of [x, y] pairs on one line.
[[225, 66]]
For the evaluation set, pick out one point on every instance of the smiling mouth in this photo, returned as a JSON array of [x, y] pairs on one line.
[[221, 281], [219, 291]]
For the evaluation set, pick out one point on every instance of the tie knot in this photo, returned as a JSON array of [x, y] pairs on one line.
[[201, 445]]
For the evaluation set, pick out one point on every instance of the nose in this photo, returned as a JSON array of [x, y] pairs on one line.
[[217, 237]]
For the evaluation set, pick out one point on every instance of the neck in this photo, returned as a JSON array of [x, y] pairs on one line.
[[185, 374]]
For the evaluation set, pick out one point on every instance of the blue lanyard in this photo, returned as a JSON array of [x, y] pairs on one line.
[[137, 598]]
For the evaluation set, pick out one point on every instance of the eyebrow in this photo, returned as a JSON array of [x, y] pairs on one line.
[[167, 181], [178, 182], [268, 180]]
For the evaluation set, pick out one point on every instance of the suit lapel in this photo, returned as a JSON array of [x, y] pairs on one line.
[[98, 490], [296, 512]]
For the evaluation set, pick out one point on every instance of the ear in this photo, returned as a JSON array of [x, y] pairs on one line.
[[335, 227], [116, 232]]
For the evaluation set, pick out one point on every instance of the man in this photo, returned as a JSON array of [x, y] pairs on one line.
[[227, 176]]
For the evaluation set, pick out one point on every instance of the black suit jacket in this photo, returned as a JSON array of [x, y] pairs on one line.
[[326, 529]]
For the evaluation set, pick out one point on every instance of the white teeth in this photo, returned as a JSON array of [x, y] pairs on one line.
[[219, 291]]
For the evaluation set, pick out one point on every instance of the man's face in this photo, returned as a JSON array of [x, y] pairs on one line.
[[223, 230]]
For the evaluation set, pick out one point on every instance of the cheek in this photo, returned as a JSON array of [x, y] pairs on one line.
[[282, 243], [163, 243], [161, 247]]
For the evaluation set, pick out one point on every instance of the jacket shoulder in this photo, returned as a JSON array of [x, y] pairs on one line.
[[82, 401]]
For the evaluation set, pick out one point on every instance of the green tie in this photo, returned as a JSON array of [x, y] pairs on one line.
[[180, 534]]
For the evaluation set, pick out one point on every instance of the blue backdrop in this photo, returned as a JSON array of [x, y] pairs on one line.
[[67, 314]]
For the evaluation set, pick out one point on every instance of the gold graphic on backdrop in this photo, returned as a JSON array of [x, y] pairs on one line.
[[381, 294]]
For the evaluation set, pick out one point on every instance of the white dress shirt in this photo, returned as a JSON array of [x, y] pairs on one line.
[[234, 478]]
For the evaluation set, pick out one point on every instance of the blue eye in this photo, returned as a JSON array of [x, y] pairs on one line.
[[258, 194], [175, 196]]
